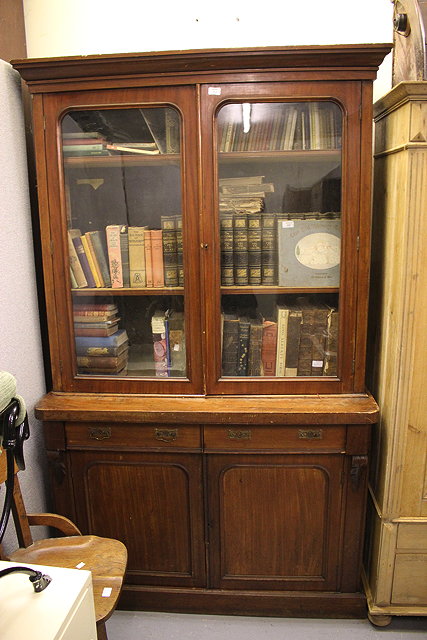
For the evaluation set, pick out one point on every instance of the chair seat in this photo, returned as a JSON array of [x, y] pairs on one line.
[[104, 557]]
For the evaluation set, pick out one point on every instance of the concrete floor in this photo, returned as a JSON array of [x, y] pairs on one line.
[[131, 625]]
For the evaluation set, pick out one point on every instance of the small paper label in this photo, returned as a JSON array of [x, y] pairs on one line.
[[317, 363], [80, 565], [287, 224], [106, 592], [214, 91]]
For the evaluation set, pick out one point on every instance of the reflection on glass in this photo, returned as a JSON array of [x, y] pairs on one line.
[[122, 172], [279, 200]]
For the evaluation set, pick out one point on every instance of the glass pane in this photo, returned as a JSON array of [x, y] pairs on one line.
[[122, 170], [279, 195]]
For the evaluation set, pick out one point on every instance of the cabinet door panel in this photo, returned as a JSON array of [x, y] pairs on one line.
[[275, 521], [153, 503]]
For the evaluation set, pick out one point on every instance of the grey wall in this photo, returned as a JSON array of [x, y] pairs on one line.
[[20, 345]]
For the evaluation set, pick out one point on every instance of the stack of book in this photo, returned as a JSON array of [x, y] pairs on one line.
[[301, 340], [101, 347], [243, 194], [169, 352], [124, 256], [90, 143]]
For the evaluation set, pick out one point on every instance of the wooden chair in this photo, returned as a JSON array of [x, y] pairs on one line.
[[105, 558]]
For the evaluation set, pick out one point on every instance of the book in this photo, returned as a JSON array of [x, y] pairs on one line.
[[95, 331], [160, 353], [75, 266], [176, 342], [93, 262], [114, 255], [93, 319], [268, 249], [148, 258], [320, 328], [115, 340], [124, 253], [81, 254], [243, 346], [254, 249], [179, 251], [103, 363], [137, 273], [293, 340], [99, 247], [157, 258], [230, 343], [226, 248], [96, 306], [170, 250], [240, 249], [282, 338], [101, 324], [255, 347], [269, 345], [102, 351], [309, 252], [331, 343]]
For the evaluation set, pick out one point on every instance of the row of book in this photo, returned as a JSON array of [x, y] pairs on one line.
[[301, 340], [101, 346], [268, 249], [127, 256], [283, 127], [160, 130]]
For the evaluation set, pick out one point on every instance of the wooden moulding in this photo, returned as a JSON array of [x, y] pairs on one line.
[[325, 409], [364, 56]]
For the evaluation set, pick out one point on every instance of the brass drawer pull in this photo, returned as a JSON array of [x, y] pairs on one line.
[[310, 434], [100, 433], [241, 434], [166, 435]]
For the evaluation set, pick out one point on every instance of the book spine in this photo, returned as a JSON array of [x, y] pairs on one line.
[[255, 346], [331, 344], [320, 321], [76, 267], [137, 274], [179, 251], [306, 342], [95, 332], [124, 253], [81, 254], [170, 250], [227, 247], [243, 347], [230, 345], [93, 261], [268, 250], [282, 336], [148, 258], [100, 254], [254, 249], [240, 249], [177, 343], [114, 255], [269, 346], [157, 257], [293, 343]]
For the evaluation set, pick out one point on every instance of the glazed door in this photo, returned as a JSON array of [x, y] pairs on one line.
[[122, 168], [274, 521], [282, 201]]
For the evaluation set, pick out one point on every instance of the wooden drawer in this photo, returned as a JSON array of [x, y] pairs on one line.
[[88, 435], [260, 438]]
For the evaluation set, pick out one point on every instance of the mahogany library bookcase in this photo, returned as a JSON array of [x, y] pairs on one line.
[[205, 225]]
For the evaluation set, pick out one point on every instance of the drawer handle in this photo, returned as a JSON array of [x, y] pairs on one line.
[[100, 433], [241, 434], [310, 434], [166, 435]]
